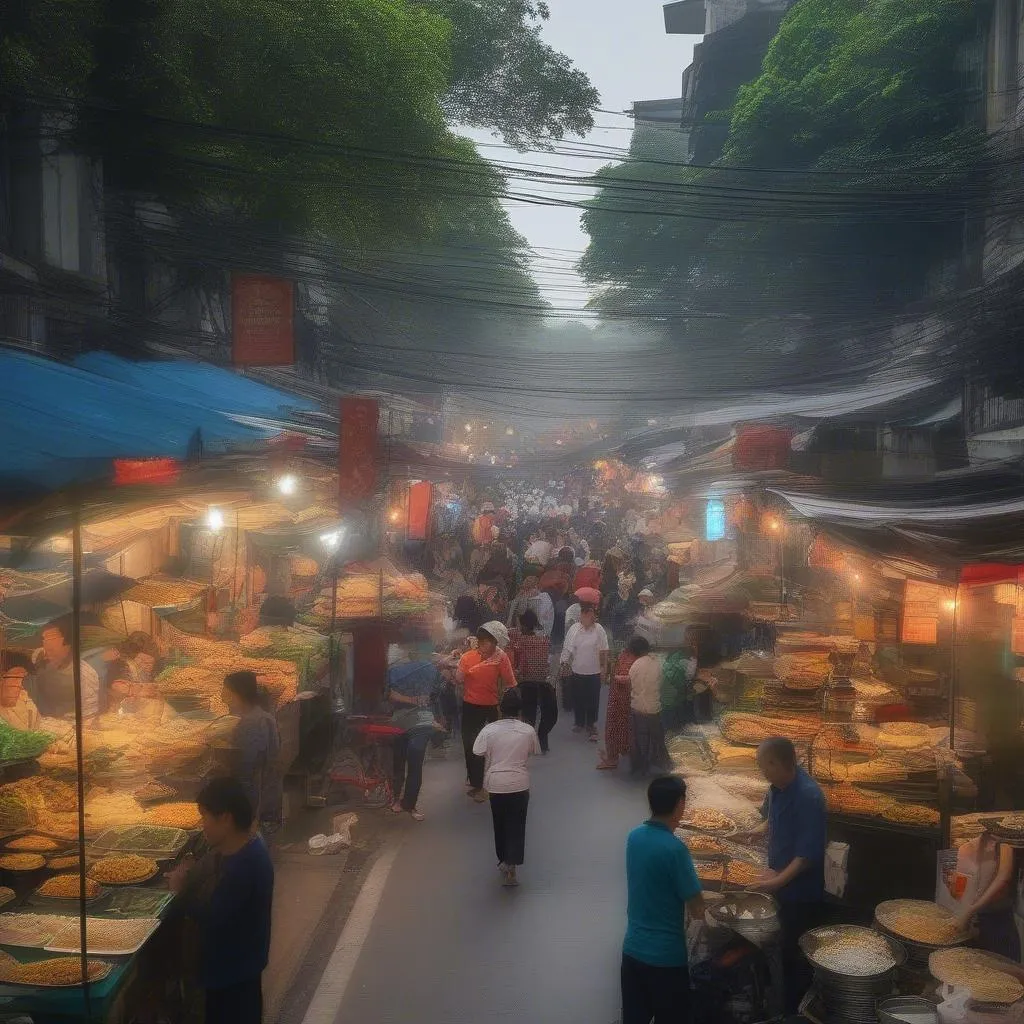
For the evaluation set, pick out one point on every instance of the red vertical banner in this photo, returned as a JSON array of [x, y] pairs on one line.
[[262, 320], [420, 498], [357, 450]]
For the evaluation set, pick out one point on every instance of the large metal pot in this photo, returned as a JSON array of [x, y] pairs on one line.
[[907, 1010], [750, 914], [850, 999]]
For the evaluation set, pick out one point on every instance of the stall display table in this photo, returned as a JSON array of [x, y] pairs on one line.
[[116, 997]]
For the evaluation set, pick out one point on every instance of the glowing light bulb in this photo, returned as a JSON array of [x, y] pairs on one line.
[[332, 539], [288, 484], [214, 519]]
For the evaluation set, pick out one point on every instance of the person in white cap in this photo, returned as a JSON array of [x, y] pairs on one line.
[[645, 624], [485, 673]]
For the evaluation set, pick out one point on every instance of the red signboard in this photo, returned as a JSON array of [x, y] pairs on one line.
[[761, 448], [420, 497], [128, 472], [262, 320], [357, 449]]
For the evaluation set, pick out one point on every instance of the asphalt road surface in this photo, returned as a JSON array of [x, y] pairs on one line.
[[448, 944]]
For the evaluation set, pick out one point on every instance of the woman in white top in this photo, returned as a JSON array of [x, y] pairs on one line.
[[585, 657], [506, 746]]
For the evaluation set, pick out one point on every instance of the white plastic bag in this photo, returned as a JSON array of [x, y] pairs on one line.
[[342, 826], [318, 845], [953, 1008], [837, 859]]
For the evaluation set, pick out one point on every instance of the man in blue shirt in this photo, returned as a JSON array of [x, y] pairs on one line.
[[662, 885], [795, 811], [412, 687]]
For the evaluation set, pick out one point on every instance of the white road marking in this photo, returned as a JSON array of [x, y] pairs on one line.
[[330, 993]]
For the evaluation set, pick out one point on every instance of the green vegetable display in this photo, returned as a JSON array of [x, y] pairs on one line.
[[17, 744]]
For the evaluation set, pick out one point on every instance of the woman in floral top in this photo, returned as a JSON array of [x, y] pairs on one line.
[[530, 651], [618, 734]]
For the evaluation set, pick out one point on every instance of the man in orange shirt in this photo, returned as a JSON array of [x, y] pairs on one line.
[[485, 673]]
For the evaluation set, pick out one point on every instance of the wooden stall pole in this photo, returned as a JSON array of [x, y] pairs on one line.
[[76, 674], [946, 782]]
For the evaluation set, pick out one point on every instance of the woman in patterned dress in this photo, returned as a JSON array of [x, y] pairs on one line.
[[618, 737]]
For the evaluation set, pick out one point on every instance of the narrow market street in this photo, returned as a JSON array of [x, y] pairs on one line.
[[448, 943]]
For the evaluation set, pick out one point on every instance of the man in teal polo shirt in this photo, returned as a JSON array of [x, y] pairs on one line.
[[662, 884]]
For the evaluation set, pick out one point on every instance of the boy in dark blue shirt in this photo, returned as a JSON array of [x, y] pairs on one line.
[[234, 916]]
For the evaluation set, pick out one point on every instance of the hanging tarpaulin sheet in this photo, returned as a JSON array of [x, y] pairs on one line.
[[262, 320], [420, 499], [357, 450], [761, 447]]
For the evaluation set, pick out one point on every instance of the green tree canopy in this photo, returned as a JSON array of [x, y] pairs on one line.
[[314, 116], [504, 76], [841, 187]]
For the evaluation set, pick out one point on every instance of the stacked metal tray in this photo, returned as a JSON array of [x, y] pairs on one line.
[[851, 998], [154, 841]]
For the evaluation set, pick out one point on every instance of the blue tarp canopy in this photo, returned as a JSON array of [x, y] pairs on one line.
[[198, 384], [64, 424]]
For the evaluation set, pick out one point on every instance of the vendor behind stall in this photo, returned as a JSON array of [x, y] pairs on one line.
[[52, 685], [256, 744], [133, 665], [992, 910], [17, 708], [794, 809]]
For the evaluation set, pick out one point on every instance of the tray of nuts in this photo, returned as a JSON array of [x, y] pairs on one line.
[[127, 869], [19, 862], [742, 873], [851, 951], [54, 972], [68, 887], [64, 862], [31, 843], [711, 820], [30, 930], [175, 815], [105, 936]]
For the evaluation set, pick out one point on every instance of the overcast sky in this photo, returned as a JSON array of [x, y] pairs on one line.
[[623, 47]]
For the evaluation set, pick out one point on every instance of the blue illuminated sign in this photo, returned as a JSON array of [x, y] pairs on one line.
[[714, 520]]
